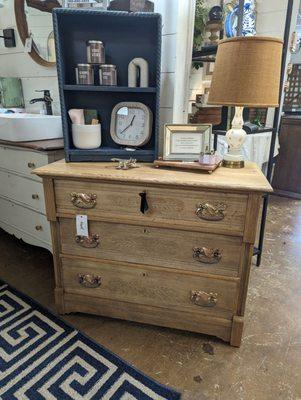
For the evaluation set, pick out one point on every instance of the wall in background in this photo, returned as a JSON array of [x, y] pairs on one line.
[[15, 63]]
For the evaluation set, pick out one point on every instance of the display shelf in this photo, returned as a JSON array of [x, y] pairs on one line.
[[206, 54], [125, 36], [94, 88], [108, 153]]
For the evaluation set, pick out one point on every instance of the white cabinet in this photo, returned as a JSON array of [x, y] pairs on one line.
[[22, 205]]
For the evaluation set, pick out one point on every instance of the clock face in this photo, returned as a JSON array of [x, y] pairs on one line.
[[131, 124]]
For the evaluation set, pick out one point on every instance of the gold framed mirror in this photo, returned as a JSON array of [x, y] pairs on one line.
[[34, 20]]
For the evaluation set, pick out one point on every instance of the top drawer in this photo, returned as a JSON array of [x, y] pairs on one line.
[[198, 210], [22, 161]]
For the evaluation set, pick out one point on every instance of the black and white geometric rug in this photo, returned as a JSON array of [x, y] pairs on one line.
[[41, 357]]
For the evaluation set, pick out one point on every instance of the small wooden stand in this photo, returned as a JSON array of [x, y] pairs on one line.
[[194, 165]]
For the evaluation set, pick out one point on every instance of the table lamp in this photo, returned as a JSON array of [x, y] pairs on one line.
[[246, 74]]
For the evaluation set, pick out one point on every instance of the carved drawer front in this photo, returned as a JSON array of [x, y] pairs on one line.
[[199, 210], [195, 251], [151, 286]]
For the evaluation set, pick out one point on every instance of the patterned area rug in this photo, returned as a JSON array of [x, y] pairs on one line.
[[41, 357]]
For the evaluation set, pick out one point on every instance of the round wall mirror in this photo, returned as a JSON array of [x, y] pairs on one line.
[[34, 20]]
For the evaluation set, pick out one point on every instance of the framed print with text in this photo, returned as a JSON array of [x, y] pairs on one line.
[[185, 142]]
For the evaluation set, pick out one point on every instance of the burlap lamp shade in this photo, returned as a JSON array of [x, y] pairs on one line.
[[247, 72]]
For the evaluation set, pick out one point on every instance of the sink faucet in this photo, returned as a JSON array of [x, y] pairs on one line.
[[46, 99]]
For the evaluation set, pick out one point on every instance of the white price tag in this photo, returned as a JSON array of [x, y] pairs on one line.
[[28, 45], [82, 225]]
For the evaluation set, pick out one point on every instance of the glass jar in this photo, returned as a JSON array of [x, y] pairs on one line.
[[84, 74], [95, 52], [108, 75]]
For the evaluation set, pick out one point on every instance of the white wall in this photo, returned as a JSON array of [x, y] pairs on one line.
[[15, 63], [169, 11]]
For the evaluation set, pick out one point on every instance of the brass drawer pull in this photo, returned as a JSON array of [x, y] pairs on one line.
[[206, 255], [210, 212], [88, 242], [89, 281], [35, 196], [83, 200], [31, 165], [39, 228], [203, 299]]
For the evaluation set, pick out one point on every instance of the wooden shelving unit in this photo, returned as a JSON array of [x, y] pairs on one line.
[[125, 37]]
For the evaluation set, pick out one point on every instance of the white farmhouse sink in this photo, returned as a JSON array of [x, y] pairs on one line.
[[28, 127]]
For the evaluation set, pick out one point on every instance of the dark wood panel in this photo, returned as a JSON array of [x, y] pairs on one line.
[[287, 176]]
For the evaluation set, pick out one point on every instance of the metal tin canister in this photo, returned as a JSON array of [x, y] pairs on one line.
[[108, 75], [84, 74], [95, 52]]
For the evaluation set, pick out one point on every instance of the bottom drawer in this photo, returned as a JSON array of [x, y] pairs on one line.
[[151, 286], [169, 318]]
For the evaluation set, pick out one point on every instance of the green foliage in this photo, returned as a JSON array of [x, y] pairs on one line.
[[201, 18]]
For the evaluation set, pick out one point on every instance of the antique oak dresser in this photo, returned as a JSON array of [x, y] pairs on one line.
[[163, 247]]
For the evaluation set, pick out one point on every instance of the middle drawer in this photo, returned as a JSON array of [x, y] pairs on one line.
[[195, 251]]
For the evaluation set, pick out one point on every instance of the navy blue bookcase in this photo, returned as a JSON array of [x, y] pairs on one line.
[[125, 36]]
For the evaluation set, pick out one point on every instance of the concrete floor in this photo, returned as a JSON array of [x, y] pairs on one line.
[[266, 367]]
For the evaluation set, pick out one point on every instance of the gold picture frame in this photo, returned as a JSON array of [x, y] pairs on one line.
[[185, 142]]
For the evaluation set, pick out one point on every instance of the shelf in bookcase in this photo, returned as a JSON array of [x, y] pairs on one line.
[[107, 153], [121, 89]]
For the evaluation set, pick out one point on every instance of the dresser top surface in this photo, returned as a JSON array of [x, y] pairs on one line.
[[249, 179]]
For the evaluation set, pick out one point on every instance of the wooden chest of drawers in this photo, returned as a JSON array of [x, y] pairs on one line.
[[165, 247]]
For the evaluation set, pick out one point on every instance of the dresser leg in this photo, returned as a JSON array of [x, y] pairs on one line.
[[237, 328], [59, 300]]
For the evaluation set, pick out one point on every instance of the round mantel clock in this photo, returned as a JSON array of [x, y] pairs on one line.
[[131, 124]]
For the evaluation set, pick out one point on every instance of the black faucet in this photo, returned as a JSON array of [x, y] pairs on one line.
[[46, 99]]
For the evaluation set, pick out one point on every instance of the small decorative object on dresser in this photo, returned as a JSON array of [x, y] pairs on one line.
[[253, 80], [125, 164], [164, 248], [186, 142]]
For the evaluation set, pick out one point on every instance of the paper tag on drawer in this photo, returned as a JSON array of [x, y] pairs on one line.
[[82, 225]]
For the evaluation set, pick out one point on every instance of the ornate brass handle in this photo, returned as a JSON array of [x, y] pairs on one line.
[[31, 165], [83, 200], [210, 212], [206, 255], [39, 228], [88, 242], [35, 196], [203, 299], [89, 281]]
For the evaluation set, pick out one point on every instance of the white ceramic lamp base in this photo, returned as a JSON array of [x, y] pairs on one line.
[[235, 138]]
